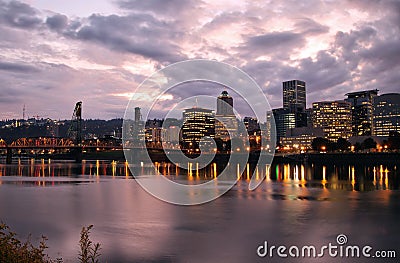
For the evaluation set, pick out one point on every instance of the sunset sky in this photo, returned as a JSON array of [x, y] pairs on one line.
[[54, 53]]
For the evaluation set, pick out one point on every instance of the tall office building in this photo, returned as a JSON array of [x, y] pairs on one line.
[[293, 114], [334, 117], [225, 104], [252, 125], [270, 126], [226, 124], [386, 114], [171, 130], [294, 100], [362, 110], [294, 95], [134, 129], [170, 134], [284, 120], [138, 115], [197, 123], [153, 130], [309, 112]]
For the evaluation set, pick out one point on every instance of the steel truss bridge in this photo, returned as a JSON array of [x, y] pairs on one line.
[[73, 144], [55, 144]]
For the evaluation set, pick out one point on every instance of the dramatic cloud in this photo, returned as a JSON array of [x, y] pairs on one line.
[[57, 22], [18, 14], [138, 34], [52, 57]]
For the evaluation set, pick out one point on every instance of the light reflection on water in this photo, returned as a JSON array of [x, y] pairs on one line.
[[297, 204], [357, 177]]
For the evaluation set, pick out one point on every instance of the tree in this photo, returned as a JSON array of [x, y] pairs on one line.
[[357, 146], [368, 143], [394, 140], [321, 144], [343, 144]]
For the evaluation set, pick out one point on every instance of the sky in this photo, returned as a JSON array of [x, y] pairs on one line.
[[54, 53]]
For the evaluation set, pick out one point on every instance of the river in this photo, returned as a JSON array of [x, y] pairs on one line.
[[297, 204]]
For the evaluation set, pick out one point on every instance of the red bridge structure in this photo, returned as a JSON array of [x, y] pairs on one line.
[[73, 144], [56, 145]]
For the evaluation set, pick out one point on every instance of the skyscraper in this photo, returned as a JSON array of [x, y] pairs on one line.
[[251, 124], [334, 117], [284, 120], [294, 101], [138, 115], [362, 110], [225, 104], [293, 114], [226, 124], [197, 123], [386, 114], [135, 129], [294, 95]]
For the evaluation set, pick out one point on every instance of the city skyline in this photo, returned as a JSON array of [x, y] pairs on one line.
[[296, 127], [194, 103], [199, 130], [54, 55]]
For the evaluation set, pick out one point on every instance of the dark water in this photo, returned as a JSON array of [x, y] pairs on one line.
[[295, 205]]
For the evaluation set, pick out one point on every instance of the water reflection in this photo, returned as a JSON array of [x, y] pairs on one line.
[[295, 205], [47, 172], [344, 177], [355, 177]]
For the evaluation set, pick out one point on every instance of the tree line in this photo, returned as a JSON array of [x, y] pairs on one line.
[[323, 144]]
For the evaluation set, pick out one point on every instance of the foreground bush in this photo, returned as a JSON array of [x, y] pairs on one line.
[[12, 250], [89, 251]]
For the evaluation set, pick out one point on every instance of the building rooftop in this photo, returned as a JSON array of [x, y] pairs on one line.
[[356, 93]]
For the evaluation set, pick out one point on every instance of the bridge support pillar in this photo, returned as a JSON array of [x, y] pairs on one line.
[[78, 154], [9, 156]]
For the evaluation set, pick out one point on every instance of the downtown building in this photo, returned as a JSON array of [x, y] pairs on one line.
[[362, 111], [171, 131], [135, 129], [284, 120], [334, 117], [197, 123], [294, 95], [252, 125], [386, 114], [153, 131], [226, 124], [293, 114], [300, 139]]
